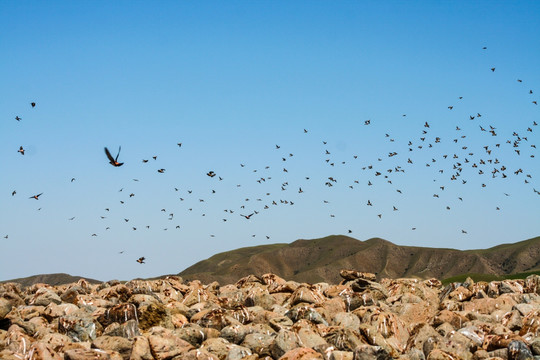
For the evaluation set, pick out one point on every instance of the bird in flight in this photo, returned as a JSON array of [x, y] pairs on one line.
[[141, 260], [36, 196], [18, 118], [33, 104], [21, 150], [113, 161], [247, 216]]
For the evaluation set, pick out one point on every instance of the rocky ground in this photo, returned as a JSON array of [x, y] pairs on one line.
[[271, 318]]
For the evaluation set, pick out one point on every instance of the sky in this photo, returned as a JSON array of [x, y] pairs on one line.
[[233, 81]]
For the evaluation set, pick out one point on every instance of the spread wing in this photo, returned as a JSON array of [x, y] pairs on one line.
[[119, 148], [111, 159]]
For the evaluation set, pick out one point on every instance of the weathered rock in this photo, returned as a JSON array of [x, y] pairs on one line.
[[370, 352], [115, 343], [164, 344], [42, 351], [284, 341], [280, 322], [196, 354], [518, 350], [239, 352], [264, 318], [535, 346], [90, 354], [154, 315], [44, 296], [301, 353], [141, 349], [5, 307], [258, 343], [78, 328]]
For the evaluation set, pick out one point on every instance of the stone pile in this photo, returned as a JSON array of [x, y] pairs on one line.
[[268, 317]]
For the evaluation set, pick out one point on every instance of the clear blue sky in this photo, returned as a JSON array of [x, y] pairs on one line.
[[230, 81]]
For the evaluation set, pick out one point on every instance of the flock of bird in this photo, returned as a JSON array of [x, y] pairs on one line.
[[464, 161]]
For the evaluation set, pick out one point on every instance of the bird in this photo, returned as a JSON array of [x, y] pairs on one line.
[[21, 150], [13, 192], [33, 104], [113, 161], [18, 118], [161, 171], [141, 260], [36, 196], [247, 216]]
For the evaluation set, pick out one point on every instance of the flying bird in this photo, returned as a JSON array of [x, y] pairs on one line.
[[141, 260], [33, 104], [113, 161], [21, 150], [36, 196]]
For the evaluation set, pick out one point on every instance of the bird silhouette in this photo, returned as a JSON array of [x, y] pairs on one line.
[[21, 150], [113, 161], [35, 196], [141, 260]]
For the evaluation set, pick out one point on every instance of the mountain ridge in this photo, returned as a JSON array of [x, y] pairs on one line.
[[321, 259]]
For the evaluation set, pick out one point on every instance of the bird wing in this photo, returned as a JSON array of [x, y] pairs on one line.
[[111, 159], [119, 148]]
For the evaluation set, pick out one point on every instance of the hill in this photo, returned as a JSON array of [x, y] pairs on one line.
[[51, 279], [321, 259]]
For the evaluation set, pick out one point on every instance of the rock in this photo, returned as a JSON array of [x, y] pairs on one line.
[[535, 346], [5, 307], [348, 275], [517, 350], [90, 354], [217, 346], [41, 351], [280, 322], [154, 315], [44, 296], [164, 344], [239, 352], [115, 343], [197, 354], [284, 341], [78, 328], [343, 339], [235, 333], [265, 318], [141, 349], [258, 343], [370, 352], [301, 353], [54, 310], [128, 330], [306, 294], [341, 355], [346, 320]]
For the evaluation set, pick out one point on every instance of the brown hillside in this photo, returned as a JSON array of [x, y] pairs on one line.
[[51, 279], [321, 259]]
